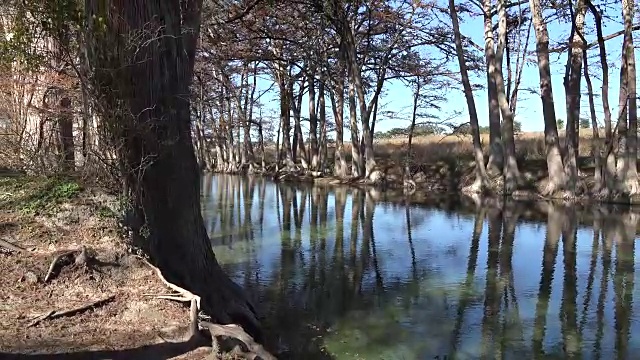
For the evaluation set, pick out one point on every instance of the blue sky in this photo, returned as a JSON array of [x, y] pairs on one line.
[[397, 97]]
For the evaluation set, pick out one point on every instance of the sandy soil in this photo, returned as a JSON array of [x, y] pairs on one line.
[[131, 326]]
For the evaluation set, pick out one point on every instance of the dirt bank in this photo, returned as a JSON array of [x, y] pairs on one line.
[[42, 218]]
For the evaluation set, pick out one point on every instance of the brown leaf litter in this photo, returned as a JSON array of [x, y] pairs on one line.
[[95, 309]]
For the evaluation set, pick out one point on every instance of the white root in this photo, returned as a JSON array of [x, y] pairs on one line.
[[55, 261], [181, 294], [255, 350]]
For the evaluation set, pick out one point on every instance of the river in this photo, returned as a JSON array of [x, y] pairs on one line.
[[342, 273]]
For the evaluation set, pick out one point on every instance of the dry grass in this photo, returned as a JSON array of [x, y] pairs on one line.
[[529, 146], [434, 148]]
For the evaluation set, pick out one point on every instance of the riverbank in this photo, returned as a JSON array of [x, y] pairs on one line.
[[109, 314], [93, 302], [450, 175]]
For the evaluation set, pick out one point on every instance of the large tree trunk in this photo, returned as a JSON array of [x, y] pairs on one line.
[[322, 108], [365, 111], [595, 143], [65, 132], [496, 158], [313, 121], [247, 153], [555, 168], [285, 117], [62, 104], [199, 141], [298, 142], [481, 181], [337, 105], [572, 90], [609, 170], [511, 172], [628, 134], [162, 178], [357, 167]]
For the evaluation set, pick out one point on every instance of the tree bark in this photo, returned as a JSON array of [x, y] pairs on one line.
[[162, 178], [496, 154], [409, 157], [555, 168], [199, 140], [365, 111], [65, 132], [323, 122], [357, 166], [337, 105], [313, 120], [511, 172], [481, 181], [285, 117], [595, 143], [62, 104], [628, 132], [247, 145], [298, 143], [572, 90], [609, 170]]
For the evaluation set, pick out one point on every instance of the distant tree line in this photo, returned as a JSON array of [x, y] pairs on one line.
[[437, 129]]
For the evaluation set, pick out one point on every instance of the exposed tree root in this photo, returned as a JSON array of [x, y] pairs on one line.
[[234, 337], [56, 314], [8, 245], [78, 257], [180, 293], [548, 188], [225, 338], [474, 188], [58, 260]]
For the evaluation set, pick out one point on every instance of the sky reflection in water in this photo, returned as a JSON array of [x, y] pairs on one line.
[[341, 274]]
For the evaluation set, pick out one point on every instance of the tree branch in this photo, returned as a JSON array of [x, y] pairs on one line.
[[593, 44]]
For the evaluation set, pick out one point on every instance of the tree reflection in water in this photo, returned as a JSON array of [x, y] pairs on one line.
[[347, 273]]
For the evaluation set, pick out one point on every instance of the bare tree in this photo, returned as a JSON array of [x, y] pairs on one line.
[[481, 182], [555, 168]]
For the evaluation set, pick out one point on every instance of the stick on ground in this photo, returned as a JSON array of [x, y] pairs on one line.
[[13, 247], [70, 312]]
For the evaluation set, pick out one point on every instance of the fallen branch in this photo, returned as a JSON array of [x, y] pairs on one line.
[[13, 247], [70, 312], [40, 318], [55, 261]]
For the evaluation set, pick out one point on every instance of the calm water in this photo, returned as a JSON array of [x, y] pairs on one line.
[[340, 273]]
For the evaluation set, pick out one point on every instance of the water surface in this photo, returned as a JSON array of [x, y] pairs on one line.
[[343, 273]]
